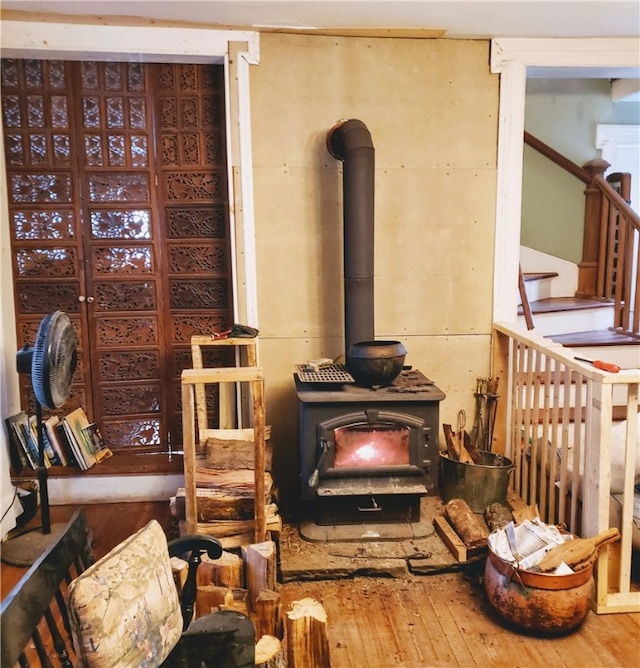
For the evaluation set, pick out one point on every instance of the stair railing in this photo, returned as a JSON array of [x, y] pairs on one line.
[[611, 246], [618, 275], [572, 432]]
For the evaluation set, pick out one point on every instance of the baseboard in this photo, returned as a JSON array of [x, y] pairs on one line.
[[113, 489]]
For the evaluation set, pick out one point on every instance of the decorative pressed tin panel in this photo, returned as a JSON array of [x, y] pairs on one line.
[[119, 217]]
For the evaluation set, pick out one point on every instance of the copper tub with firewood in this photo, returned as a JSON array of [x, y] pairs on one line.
[[542, 603]]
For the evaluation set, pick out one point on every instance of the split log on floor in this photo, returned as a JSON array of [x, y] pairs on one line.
[[450, 538], [260, 569], [268, 618], [306, 632], [210, 598], [269, 653], [468, 526], [496, 516], [180, 569], [236, 600], [226, 571]]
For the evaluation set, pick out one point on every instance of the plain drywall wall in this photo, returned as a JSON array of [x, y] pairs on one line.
[[563, 113], [431, 107]]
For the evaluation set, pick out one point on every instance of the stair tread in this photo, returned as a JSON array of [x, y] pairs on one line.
[[538, 275], [596, 337], [559, 304]]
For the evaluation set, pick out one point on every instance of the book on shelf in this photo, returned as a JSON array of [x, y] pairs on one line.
[[17, 455], [19, 424], [74, 423], [50, 425], [50, 456], [70, 440], [63, 439], [100, 450]]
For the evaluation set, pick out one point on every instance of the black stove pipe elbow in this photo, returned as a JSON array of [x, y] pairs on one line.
[[350, 141]]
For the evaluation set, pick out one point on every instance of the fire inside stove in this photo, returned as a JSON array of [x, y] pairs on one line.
[[362, 447]]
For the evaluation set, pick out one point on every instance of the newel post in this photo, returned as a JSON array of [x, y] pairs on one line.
[[593, 221]]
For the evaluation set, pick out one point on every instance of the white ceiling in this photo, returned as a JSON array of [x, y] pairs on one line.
[[457, 18], [461, 19]]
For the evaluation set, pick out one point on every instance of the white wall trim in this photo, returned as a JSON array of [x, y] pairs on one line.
[[556, 52], [112, 489], [617, 134], [248, 211], [24, 39], [510, 58]]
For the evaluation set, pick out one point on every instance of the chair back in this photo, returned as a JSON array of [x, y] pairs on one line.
[[41, 593]]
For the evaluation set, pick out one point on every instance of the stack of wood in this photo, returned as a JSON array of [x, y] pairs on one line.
[[247, 583], [225, 488], [228, 490]]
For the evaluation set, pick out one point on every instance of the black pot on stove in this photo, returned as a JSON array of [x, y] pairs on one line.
[[375, 363]]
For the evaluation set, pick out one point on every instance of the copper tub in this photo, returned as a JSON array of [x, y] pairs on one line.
[[539, 602]]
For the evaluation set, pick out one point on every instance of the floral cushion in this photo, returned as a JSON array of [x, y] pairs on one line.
[[124, 609]]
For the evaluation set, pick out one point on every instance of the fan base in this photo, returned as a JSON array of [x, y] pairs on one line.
[[25, 549]]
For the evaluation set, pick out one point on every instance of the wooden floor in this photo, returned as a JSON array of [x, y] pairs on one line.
[[416, 622]]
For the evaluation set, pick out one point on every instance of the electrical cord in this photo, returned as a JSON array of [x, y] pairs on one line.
[[15, 496]]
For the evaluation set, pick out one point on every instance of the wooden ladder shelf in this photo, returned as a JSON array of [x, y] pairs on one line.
[[197, 433]]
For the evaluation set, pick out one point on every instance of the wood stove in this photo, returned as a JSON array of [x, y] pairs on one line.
[[367, 454]]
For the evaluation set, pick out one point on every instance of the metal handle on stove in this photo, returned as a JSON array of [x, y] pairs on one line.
[[375, 508], [314, 478]]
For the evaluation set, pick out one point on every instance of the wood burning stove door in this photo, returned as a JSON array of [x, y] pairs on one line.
[[370, 451]]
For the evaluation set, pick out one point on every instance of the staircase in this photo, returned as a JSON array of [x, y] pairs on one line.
[[593, 306], [584, 324]]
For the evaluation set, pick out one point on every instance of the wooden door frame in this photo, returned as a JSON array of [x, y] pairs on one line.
[[236, 50], [512, 59]]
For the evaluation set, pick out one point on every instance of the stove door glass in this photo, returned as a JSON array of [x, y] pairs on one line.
[[371, 446]]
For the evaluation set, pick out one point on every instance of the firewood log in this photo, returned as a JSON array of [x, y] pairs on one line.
[[180, 569], [467, 525], [223, 453], [269, 653], [306, 632], [455, 445], [496, 516], [268, 618], [209, 598], [260, 569], [225, 571]]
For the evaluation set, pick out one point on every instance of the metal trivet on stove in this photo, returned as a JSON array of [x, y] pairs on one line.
[[331, 373]]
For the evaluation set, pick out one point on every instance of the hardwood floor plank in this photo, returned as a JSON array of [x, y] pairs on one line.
[[423, 621]]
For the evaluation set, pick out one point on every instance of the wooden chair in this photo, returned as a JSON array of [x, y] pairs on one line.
[[35, 622]]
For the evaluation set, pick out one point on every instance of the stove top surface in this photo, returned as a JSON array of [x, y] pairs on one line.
[[410, 385]]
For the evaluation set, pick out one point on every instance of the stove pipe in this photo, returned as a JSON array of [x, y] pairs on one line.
[[350, 141]]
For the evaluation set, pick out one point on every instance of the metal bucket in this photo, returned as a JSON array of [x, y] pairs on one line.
[[479, 485]]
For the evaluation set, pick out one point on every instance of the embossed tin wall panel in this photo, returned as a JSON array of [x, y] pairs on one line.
[[119, 216]]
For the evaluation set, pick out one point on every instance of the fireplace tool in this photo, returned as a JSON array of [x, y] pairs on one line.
[[486, 395]]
